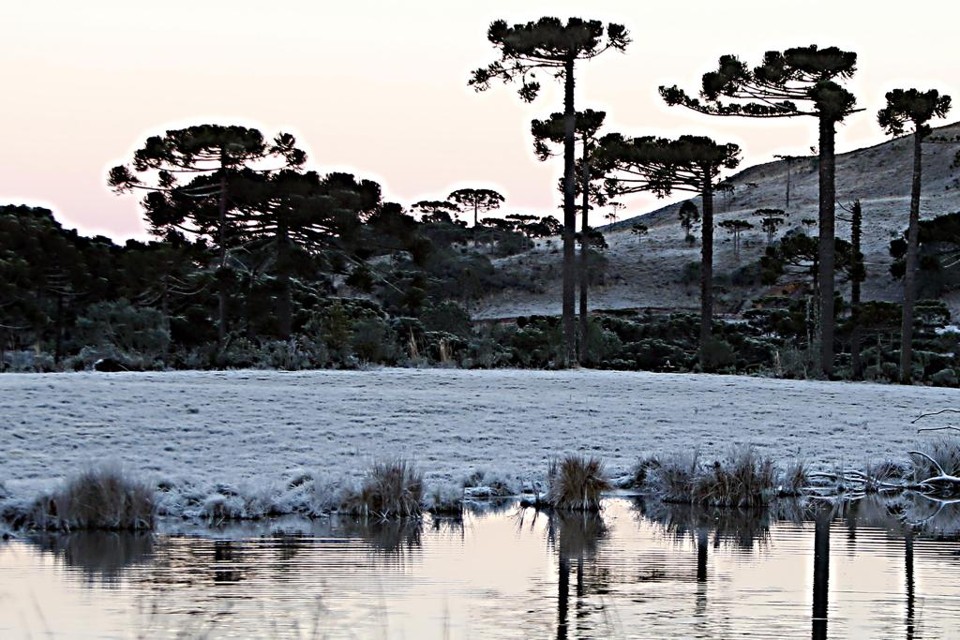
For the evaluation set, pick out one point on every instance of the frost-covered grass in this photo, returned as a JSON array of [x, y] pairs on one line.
[[292, 442]]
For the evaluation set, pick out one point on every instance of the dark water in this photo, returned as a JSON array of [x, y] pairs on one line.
[[638, 571]]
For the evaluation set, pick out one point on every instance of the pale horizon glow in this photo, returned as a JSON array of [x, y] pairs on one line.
[[379, 88]]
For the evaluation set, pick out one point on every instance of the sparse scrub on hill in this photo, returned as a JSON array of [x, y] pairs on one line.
[[102, 498], [391, 490]]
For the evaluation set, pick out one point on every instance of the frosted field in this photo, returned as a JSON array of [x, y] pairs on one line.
[[254, 431]]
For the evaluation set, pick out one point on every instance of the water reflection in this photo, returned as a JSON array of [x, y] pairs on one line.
[[821, 572], [99, 556], [638, 569], [575, 538]]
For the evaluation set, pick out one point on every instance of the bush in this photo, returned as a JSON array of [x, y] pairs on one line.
[[125, 332], [718, 354], [576, 484], [391, 490], [945, 378], [97, 499]]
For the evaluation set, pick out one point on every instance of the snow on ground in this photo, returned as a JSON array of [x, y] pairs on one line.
[[259, 429]]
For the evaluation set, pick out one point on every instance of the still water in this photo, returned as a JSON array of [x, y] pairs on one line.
[[637, 571]]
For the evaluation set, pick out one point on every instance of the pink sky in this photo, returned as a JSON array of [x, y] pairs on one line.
[[379, 87]]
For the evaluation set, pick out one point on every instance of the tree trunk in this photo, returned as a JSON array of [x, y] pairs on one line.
[[569, 218], [584, 257], [284, 303], [221, 276], [856, 228], [910, 275], [827, 244], [706, 268]]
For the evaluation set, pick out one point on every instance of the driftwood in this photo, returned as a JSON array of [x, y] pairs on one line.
[[935, 413]]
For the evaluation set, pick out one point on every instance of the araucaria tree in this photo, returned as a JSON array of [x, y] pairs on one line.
[[476, 199], [661, 165], [187, 174], [554, 47], [917, 108], [552, 130], [801, 81]]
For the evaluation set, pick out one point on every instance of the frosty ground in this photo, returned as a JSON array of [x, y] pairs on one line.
[[256, 431]]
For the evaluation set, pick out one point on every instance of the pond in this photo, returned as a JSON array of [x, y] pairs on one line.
[[639, 570]]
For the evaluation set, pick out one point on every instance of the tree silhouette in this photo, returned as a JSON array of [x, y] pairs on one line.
[[796, 82], [554, 47], [289, 216], [735, 228], [187, 173], [770, 221], [588, 123], [917, 108], [689, 216], [477, 199], [661, 165], [436, 210]]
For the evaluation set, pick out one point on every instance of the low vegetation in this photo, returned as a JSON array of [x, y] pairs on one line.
[[576, 483], [96, 499], [391, 490], [744, 480]]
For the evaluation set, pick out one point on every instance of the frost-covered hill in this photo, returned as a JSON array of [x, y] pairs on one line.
[[648, 272]]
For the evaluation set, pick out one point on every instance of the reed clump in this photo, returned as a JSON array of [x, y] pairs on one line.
[[103, 499], [743, 480], [391, 490], [576, 484]]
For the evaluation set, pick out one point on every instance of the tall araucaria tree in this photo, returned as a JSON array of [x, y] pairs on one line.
[[550, 45], [801, 81], [553, 130], [661, 166], [917, 108], [187, 174], [290, 215], [477, 199]]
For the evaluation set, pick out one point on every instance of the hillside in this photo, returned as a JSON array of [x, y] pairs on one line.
[[648, 272]]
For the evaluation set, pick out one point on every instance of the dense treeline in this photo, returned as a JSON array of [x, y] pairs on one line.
[[259, 262]]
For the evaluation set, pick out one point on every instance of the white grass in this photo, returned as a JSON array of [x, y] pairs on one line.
[[256, 432]]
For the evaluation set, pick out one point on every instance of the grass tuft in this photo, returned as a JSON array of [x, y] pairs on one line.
[[946, 452], [391, 490], [98, 499], [576, 484], [746, 481]]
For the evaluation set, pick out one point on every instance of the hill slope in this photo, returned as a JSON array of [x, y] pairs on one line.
[[649, 272]]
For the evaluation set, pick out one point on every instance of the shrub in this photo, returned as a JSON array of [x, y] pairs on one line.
[[945, 378], [576, 484], [718, 354], [391, 490], [98, 499], [124, 331]]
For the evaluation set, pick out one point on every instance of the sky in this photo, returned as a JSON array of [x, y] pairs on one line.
[[379, 87]]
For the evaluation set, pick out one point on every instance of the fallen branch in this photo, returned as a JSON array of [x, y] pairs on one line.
[[931, 461], [949, 426], [933, 413]]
